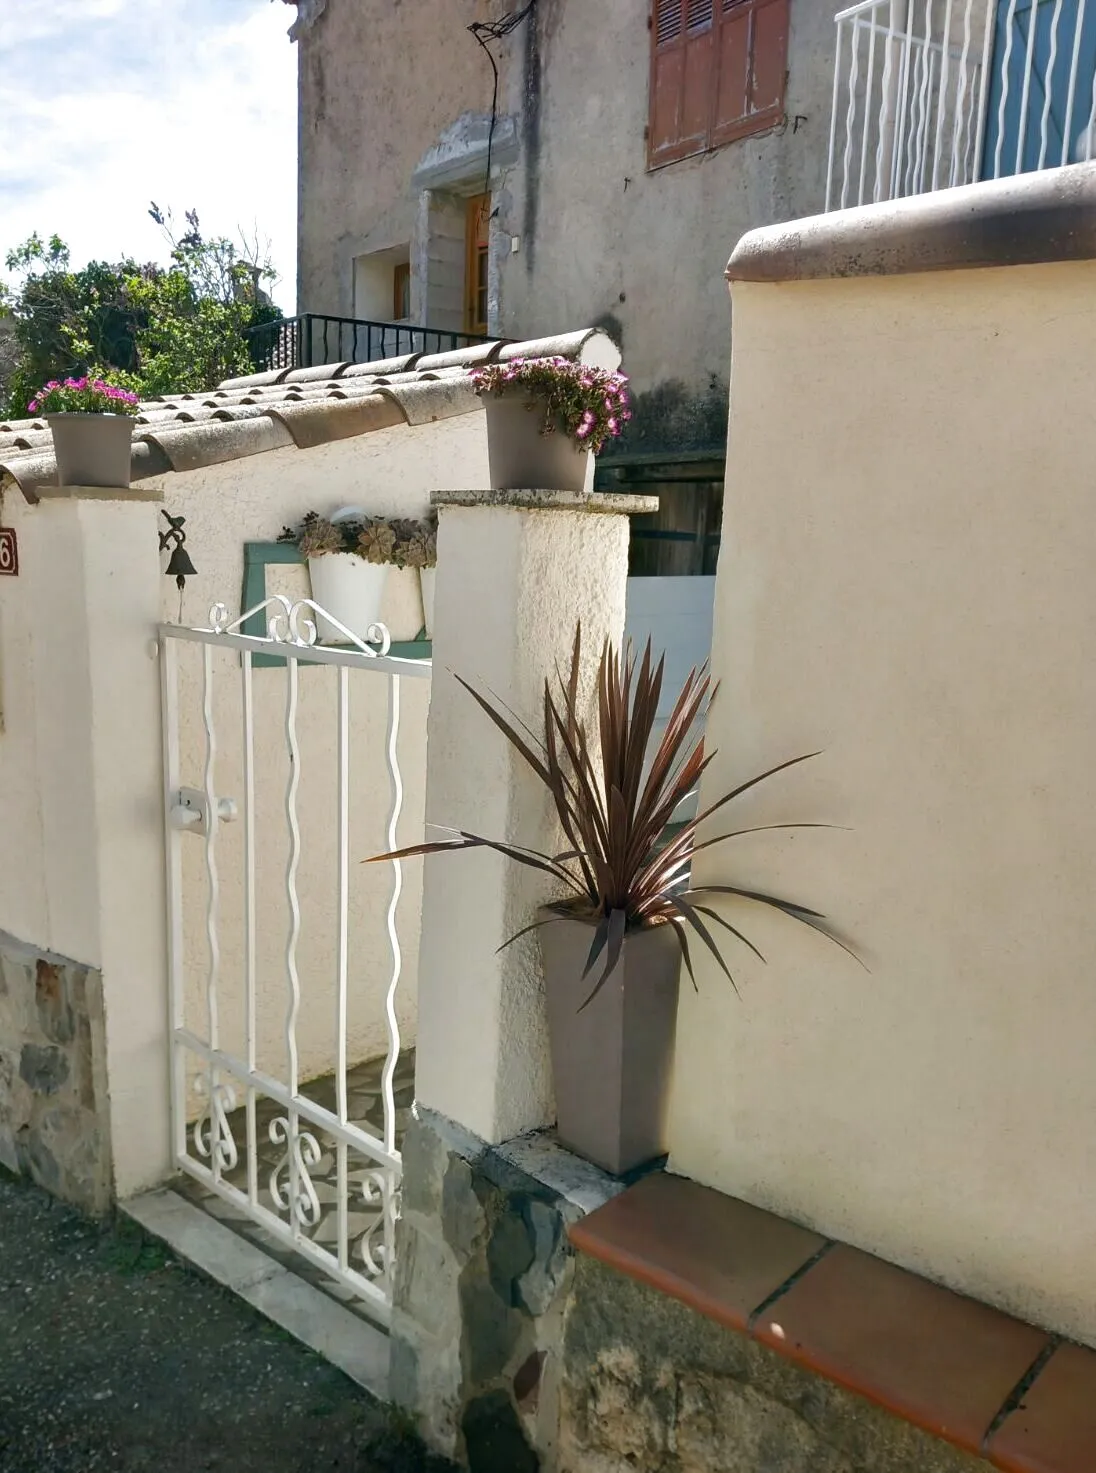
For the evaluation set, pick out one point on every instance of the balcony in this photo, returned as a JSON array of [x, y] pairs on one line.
[[314, 338], [928, 94]]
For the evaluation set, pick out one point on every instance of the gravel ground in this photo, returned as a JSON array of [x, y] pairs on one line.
[[115, 1356]]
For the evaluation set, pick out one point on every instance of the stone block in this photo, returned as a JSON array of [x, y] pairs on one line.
[[52, 1003], [44, 1069]]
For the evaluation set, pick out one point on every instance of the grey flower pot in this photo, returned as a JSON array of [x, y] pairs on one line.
[[612, 1063], [520, 458], [92, 449]]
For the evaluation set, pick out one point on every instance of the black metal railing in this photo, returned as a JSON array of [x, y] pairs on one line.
[[314, 338]]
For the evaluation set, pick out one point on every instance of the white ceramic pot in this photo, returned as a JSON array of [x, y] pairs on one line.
[[350, 590], [520, 458], [428, 577]]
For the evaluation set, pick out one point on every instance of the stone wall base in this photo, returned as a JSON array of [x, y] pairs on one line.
[[649, 1386], [54, 1108], [482, 1282]]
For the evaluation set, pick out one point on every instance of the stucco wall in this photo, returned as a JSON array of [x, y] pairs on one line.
[[906, 584], [598, 237]]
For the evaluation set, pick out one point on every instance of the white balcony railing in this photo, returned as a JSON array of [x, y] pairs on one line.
[[928, 94]]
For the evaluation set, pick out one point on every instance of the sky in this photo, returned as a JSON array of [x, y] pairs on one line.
[[108, 104]]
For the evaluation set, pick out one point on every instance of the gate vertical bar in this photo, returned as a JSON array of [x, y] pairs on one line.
[[292, 1117], [212, 906], [169, 695], [249, 920], [388, 1204], [343, 953]]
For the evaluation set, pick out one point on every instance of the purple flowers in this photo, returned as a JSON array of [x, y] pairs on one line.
[[83, 396], [589, 404]]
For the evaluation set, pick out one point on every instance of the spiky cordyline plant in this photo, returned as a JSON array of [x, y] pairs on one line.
[[614, 810]]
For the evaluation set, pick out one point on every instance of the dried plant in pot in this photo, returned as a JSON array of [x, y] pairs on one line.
[[546, 417], [628, 912], [92, 426]]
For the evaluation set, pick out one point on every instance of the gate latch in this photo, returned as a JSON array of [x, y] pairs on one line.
[[190, 811]]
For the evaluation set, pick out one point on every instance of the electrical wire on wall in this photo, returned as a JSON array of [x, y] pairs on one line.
[[485, 32]]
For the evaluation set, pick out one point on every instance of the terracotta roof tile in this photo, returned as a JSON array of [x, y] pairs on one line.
[[292, 407]]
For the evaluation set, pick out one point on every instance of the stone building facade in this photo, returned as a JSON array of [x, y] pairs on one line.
[[603, 183]]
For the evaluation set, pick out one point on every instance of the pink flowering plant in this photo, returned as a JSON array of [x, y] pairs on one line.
[[588, 404], [83, 396]]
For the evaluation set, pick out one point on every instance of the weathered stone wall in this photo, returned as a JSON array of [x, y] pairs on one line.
[[54, 1122], [482, 1280], [648, 1386]]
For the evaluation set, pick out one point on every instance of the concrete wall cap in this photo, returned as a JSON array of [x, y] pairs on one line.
[[1028, 220]]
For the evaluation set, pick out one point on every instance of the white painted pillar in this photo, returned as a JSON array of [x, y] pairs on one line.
[[97, 714], [516, 571]]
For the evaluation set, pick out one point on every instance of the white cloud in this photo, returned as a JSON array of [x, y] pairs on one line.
[[108, 104]]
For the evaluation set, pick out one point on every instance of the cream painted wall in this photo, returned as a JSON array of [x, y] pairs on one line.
[[389, 472], [906, 583], [81, 853]]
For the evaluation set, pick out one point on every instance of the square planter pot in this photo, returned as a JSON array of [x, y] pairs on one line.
[[612, 1063], [92, 449], [520, 458]]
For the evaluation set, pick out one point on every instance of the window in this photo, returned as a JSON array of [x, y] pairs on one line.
[[401, 292], [717, 73], [478, 227]]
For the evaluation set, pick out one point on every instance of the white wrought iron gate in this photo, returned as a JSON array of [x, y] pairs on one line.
[[244, 1124]]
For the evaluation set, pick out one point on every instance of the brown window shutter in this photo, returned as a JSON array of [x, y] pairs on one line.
[[667, 79], [753, 63]]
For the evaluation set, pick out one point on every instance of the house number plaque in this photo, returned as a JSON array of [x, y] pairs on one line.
[[9, 553]]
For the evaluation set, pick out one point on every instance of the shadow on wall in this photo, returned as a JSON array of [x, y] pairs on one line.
[[674, 417]]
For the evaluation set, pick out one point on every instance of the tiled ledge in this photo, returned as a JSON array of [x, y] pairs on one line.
[[964, 1372]]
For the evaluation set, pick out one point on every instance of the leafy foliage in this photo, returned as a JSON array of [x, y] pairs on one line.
[[82, 396], [588, 404], [404, 542], [146, 328], [621, 869]]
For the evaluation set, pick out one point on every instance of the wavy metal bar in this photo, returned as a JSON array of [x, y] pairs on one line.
[[392, 1057], [344, 949], [249, 916], [886, 116], [1006, 82], [904, 141], [1091, 125], [1029, 69], [869, 89], [942, 99], [959, 131], [1048, 81], [1067, 126], [924, 105], [212, 880], [850, 115], [292, 675], [833, 113]]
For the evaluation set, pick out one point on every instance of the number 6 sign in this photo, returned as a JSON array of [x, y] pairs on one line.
[[9, 553]]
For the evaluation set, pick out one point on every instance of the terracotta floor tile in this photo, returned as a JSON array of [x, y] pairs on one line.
[[941, 1361], [718, 1255], [1054, 1428]]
